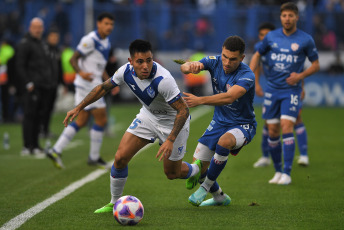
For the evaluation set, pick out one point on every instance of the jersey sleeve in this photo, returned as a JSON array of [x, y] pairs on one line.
[[246, 80], [168, 88], [86, 45], [263, 46], [118, 77], [311, 50], [208, 62]]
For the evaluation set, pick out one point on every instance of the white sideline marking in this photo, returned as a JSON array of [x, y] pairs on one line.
[[19, 220]]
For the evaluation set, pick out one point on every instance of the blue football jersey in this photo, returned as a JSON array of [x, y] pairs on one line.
[[264, 60], [241, 111], [286, 54]]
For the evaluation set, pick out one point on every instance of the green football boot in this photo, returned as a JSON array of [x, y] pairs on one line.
[[212, 202], [191, 182], [106, 208]]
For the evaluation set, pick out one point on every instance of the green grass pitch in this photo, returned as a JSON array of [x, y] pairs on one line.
[[314, 200]]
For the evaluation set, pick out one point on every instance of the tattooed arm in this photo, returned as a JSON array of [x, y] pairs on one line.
[[96, 93], [182, 115]]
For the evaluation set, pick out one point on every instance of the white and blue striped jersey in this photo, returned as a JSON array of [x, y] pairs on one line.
[[155, 93], [95, 53], [241, 111], [286, 54]]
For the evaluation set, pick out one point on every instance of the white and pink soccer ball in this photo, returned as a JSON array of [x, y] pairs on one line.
[[128, 210]]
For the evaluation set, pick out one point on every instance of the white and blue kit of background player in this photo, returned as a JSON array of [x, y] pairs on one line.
[[237, 118], [156, 117], [285, 54], [95, 52]]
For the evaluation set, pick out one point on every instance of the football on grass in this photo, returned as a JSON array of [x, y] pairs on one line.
[[128, 210]]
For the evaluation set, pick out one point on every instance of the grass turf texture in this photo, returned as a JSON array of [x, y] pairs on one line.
[[314, 200]]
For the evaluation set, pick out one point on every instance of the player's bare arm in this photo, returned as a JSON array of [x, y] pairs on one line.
[[255, 61], [96, 93], [182, 115], [192, 67], [258, 89], [74, 62], [234, 93], [294, 78]]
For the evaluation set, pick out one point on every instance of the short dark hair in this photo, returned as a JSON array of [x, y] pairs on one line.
[[234, 43], [290, 6], [266, 25], [105, 15], [139, 46]]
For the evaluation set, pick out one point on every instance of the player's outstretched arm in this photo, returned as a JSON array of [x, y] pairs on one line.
[[192, 67], [183, 113], [234, 93], [96, 93]]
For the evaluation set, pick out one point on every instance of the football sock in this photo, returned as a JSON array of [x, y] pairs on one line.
[[202, 177], [66, 136], [288, 151], [218, 195], [275, 150], [301, 136], [265, 144], [193, 169], [96, 135], [118, 177], [218, 162]]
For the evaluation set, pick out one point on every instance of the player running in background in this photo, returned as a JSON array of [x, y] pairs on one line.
[[164, 115], [233, 125], [88, 61], [286, 50], [299, 127]]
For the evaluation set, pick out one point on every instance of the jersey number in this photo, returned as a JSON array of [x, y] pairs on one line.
[[294, 99], [135, 124]]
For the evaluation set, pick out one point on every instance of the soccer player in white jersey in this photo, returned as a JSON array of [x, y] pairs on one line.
[[164, 115], [286, 49], [88, 61]]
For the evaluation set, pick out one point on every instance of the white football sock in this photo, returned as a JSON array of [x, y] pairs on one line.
[[195, 169], [116, 188], [207, 184], [218, 195], [64, 139], [96, 143]]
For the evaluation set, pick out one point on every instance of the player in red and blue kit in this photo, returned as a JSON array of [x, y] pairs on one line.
[[233, 125], [286, 49]]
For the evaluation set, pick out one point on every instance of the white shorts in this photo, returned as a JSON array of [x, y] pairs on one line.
[[146, 129], [203, 153], [81, 93]]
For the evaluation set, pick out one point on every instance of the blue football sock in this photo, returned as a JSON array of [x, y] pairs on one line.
[[275, 150], [288, 151], [190, 170], [218, 162], [119, 173], [301, 136], [265, 144]]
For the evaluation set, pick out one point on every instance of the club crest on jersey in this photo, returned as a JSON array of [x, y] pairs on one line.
[[295, 46], [228, 86], [151, 92]]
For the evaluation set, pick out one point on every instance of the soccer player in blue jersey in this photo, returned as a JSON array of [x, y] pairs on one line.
[[233, 125], [286, 49], [300, 129], [164, 115]]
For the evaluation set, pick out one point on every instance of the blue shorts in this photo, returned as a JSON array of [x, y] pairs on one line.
[[281, 103], [214, 131]]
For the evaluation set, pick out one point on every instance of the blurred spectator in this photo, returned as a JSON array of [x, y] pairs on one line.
[[6, 53], [52, 40], [34, 70], [61, 20], [203, 33], [337, 67]]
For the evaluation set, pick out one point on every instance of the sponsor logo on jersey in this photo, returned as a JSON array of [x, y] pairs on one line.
[[284, 50], [151, 92], [295, 46], [84, 45], [274, 45], [132, 86], [212, 57]]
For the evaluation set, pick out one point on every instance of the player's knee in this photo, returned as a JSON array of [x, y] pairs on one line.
[[120, 161], [172, 175], [226, 142]]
